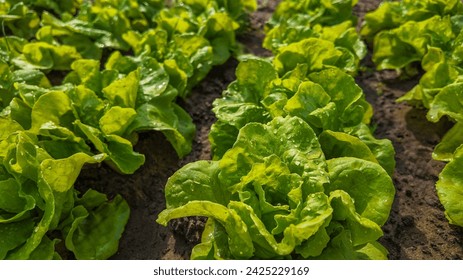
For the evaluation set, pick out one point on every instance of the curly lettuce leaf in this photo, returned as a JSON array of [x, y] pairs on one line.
[[440, 72], [452, 140], [448, 102], [339, 144], [367, 183], [299, 150], [382, 149], [362, 229], [44, 56], [450, 188], [15, 203], [19, 19], [119, 150], [14, 234], [239, 239], [398, 48], [96, 226]]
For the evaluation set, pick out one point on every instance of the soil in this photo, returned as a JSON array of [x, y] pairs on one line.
[[416, 230]]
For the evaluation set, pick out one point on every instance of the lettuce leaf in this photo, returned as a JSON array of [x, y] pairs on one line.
[[397, 48], [447, 103], [19, 19], [445, 150], [450, 188], [96, 226]]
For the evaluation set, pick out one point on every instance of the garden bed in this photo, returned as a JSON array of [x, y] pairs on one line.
[[417, 227]]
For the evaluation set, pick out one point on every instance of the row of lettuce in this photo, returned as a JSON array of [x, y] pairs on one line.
[[428, 34], [79, 81], [296, 172]]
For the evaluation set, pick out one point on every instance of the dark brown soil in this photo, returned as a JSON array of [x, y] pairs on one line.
[[417, 228]]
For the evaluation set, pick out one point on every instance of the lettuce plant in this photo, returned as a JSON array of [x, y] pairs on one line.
[[392, 14], [37, 197], [105, 108], [425, 32], [333, 21], [274, 195], [449, 188], [450, 184], [328, 100], [429, 33]]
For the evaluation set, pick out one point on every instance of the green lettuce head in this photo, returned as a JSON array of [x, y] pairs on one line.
[[273, 195]]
